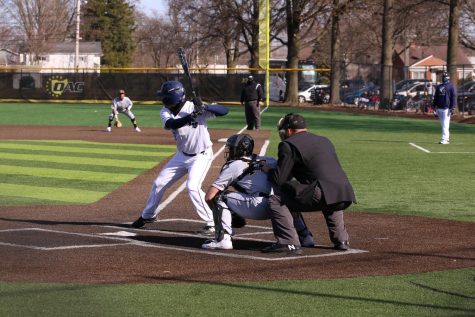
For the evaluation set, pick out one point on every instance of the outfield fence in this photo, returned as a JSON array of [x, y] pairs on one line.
[[95, 85]]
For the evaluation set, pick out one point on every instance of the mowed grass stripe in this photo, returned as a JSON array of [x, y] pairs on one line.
[[97, 145], [119, 155], [5, 146], [17, 201], [70, 166], [38, 181], [66, 195], [118, 176], [78, 160]]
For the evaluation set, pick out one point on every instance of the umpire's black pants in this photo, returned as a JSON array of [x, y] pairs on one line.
[[281, 208]]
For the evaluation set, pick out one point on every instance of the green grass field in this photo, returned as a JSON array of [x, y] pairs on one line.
[[389, 175]]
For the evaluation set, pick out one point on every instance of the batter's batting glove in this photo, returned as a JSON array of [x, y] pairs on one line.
[[435, 113], [199, 107], [451, 112]]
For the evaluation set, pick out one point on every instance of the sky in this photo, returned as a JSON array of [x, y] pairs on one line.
[[160, 6]]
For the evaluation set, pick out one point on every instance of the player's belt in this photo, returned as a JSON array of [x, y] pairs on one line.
[[188, 154]]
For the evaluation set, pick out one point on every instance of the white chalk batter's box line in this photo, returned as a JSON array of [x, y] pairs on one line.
[[128, 241], [441, 152]]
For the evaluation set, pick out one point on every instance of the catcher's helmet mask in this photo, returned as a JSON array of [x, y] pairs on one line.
[[172, 94], [237, 146]]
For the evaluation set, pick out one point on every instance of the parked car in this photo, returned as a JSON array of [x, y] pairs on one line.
[[353, 97], [465, 95], [321, 94], [418, 88], [406, 83], [306, 95], [466, 103], [352, 86]]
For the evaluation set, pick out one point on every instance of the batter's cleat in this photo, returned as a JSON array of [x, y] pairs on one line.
[[444, 142], [137, 129], [139, 223], [208, 231], [342, 246], [225, 244], [283, 248], [108, 129]]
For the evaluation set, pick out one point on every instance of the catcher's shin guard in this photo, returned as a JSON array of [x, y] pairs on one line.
[[217, 215]]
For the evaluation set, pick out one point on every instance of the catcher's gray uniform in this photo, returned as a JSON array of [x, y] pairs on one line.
[[251, 201]]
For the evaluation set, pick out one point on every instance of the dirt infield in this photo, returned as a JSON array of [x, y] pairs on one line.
[[93, 243]]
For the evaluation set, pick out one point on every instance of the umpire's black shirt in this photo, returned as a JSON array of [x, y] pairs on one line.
[[251, 91], [309, 157]]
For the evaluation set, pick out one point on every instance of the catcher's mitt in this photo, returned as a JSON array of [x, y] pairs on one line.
[[118, 124]]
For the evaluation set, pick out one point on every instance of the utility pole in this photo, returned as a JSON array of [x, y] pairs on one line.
[[78, 21]]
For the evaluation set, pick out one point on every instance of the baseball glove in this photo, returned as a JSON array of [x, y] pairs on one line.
[[118, 124]]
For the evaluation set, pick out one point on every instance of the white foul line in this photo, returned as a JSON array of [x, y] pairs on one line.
[[427, 151], [419, 147]]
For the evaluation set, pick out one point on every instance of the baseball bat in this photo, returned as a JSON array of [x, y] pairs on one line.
[[184, 64]]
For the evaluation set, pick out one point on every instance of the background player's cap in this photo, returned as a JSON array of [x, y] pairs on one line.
[[122, 91], [250, 77]]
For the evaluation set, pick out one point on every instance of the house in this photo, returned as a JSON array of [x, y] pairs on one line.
[[428, 62], [63, 55], [8, 57]]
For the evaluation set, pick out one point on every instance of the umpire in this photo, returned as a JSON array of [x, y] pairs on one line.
[[252, 96], [308, 177]]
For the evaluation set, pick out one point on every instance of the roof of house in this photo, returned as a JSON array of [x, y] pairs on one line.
[[8, 51], [429, 61], [70, 48], [417, 53]]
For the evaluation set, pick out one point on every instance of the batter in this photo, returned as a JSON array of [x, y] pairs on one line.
[[188, 123]]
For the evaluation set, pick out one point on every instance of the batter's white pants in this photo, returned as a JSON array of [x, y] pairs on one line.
[[197, 167], [444, 118], [246, 206]]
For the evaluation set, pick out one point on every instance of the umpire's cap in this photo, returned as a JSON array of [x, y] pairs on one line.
[[291, 121]]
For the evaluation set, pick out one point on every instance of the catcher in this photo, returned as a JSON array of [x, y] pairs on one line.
[[249, 198], [121, 104]]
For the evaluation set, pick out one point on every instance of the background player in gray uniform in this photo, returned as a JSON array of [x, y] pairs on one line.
[[249, 201], [121, 104], [187, 122]]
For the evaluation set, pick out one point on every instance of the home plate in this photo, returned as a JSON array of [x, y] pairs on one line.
[[223, 140], [119, 234]]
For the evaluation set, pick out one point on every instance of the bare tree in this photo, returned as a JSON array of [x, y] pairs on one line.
[[338, 8], [467, 24], [42, 21], [453, 38], [301, 18], [386, 54]]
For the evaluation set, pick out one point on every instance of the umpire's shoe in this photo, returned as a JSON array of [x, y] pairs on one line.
[[139, 223], [342, 246], [283, 248]]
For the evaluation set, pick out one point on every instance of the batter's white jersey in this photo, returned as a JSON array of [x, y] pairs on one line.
[[189, 139]]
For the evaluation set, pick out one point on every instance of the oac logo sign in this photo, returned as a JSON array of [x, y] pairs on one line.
[[57, 85]]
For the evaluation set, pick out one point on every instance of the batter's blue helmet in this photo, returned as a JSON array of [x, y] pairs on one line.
[[171, 93]]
